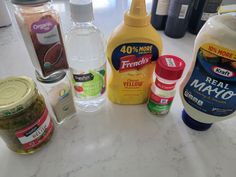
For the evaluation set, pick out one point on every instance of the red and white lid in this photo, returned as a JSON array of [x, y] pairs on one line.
[[169, 67]]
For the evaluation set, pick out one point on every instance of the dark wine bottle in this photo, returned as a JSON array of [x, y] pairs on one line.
[[178, 17], [159, 13], [202, 11]]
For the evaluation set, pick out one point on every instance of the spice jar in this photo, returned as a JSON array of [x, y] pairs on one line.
[[168, 70], [25, 124], [59, 92], [40, 27]]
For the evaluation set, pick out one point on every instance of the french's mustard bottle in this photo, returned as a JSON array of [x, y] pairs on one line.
[[132, 52]]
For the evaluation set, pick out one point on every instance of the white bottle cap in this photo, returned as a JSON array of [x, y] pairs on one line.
[[81, 10]]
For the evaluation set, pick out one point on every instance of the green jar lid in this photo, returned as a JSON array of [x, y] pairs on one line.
[[16, 94], [28, 2]]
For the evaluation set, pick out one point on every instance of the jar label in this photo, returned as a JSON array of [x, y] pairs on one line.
[[46, 31], [164, 86], [211, 88], [160, 100], [48, 45], [158, 104], [36, 133], [89, 84], [61, 98]]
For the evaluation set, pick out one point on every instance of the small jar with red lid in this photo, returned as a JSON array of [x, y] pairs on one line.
[[169, 70]]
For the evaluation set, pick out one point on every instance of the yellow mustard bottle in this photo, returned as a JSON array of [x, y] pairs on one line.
[[132, 51]]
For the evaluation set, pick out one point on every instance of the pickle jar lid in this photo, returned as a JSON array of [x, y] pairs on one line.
[[16, 94]]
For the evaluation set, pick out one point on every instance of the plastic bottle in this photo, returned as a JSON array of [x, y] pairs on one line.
[[40, 27], [208, 91], [159, 13], [86, 54], [178, 18], [132, 51], [169, 70], [202, 11]]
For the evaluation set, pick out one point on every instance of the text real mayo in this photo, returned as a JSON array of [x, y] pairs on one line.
[[132, 51], [209, 90]]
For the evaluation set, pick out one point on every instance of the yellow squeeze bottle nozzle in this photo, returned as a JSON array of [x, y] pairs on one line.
[[137, 15]]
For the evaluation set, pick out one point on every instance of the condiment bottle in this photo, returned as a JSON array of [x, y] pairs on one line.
[[208, 92], [40, 28], [159, 13], [86, 57], [168, 70], [59, 92], [202, 11], [178, 18], [132, 51], [25, 124]]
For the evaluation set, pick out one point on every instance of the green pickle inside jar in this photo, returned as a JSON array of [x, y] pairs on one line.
[[23, 115]]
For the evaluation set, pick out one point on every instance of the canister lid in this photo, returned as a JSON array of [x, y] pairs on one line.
[[170, 67], [190, 122], [29, 2], [16, 94]]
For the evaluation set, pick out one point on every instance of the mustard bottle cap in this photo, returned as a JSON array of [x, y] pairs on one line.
[[137, 15]]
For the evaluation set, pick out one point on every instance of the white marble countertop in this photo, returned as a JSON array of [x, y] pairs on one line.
[[119, 141]]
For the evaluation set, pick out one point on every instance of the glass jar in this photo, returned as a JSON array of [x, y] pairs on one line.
[[169, 70], [165, 84], [59, 92], [160, 100], [25, 124], [40, 27]]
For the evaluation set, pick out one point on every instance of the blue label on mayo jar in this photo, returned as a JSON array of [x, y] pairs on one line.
[[211, 88]]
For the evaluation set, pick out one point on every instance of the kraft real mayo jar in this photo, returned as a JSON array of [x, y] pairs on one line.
[[208, 92]]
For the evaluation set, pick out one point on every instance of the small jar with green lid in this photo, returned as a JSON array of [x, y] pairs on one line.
[[25, 124]]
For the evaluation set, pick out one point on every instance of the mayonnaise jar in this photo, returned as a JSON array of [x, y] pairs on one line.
[[208, 92]]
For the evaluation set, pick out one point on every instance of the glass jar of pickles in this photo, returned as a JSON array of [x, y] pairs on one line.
[[25, 124]]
